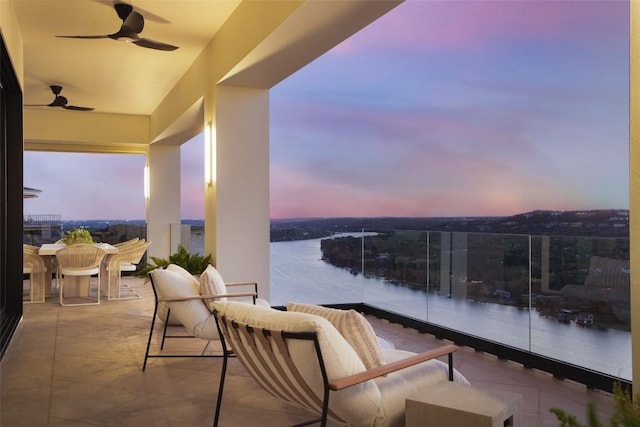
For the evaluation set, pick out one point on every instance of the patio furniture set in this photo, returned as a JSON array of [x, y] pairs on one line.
[[327, 361], [75, 265]]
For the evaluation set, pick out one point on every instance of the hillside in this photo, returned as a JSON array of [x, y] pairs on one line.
[[594, 223]]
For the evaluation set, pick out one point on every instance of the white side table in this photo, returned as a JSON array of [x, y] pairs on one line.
[[453, 404]]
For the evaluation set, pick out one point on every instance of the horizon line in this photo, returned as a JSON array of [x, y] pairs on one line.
[[368, 217]]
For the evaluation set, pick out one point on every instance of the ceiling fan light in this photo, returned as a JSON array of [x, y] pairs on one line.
[[126, 39]]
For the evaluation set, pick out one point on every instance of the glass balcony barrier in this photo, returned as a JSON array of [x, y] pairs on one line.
[[563, 298]]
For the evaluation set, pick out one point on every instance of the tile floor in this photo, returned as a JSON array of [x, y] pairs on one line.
[[81, 366]]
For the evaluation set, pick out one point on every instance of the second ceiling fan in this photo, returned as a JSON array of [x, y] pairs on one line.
[[132, 26], [60, 101]]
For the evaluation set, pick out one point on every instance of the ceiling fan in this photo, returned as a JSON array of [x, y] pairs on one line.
[[132, 25], [60, 101]]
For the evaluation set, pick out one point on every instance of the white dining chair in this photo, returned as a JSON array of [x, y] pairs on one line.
[[79, 261], [34, 266], [127, 259]]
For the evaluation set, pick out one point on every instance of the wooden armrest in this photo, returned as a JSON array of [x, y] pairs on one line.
[[192, 297], [344, 382], [241, 283]]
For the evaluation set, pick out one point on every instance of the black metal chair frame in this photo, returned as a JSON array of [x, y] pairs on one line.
[[158, 300]]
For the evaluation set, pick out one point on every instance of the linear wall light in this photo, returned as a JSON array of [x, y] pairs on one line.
[[146, 182], [209, 154]]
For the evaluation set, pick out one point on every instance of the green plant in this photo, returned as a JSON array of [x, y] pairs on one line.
[[626, 412], [193, 263], [77, 236]]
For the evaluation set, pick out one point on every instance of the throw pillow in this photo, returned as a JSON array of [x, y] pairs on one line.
[[353, 326], [185, 275], [211, 283]]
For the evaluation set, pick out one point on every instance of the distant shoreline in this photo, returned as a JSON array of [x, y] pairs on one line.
[[587, 223]]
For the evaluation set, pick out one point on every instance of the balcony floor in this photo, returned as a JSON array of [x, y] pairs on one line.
[[81, 366]]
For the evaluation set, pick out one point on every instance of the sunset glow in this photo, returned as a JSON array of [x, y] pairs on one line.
[[440, 108]]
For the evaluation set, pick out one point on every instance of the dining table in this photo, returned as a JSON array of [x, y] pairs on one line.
[[52, 248], [49, 250]]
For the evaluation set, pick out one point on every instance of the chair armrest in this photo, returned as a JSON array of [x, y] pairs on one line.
[[344, 382], [203, 297], [241, 283]]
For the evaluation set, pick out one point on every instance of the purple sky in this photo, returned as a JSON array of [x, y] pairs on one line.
[[437, 109]]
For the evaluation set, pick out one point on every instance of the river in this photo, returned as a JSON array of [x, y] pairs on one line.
[[298, 274]]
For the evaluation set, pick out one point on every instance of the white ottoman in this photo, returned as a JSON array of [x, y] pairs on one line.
[[453, 404]]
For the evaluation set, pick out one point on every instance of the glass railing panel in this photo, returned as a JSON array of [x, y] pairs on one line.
[[582, 302], [477, 284], [484, 286], [394, 268], [39, 229], [566, 298]]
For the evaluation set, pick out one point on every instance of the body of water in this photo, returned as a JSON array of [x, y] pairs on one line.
[[298, 274]]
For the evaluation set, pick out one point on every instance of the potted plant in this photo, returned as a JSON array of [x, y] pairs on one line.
[[626, 412], [193, 263], [78, 236]]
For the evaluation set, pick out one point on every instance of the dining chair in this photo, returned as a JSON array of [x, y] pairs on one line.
[[126, 243], [78, 261], [34, 265], [127, 259]]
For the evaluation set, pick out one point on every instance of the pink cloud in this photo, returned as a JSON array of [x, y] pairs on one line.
[[473, 24]]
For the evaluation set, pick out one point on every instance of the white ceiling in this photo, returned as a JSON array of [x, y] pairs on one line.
[[108, 75]]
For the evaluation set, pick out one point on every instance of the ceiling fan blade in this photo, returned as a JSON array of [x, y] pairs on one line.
[[152, 44], [85, 37], [123, 10], [76, 108], [134, 23]]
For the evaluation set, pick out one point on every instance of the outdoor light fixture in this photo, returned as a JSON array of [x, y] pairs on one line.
[[209, 154], [146, 182]]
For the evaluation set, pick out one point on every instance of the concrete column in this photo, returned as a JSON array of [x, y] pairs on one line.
[[237, 227], [163, 206]]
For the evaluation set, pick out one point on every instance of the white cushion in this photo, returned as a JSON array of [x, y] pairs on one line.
[[162, 307], [413, 381], [127, 266], [358, 405], [192, 314], [185, 275], [353, 326], [211, 283]]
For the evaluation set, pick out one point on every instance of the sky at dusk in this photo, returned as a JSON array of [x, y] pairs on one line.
[[439, 108]]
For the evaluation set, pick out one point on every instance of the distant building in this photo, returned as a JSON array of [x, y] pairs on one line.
[[30, 193], [39, 229]]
